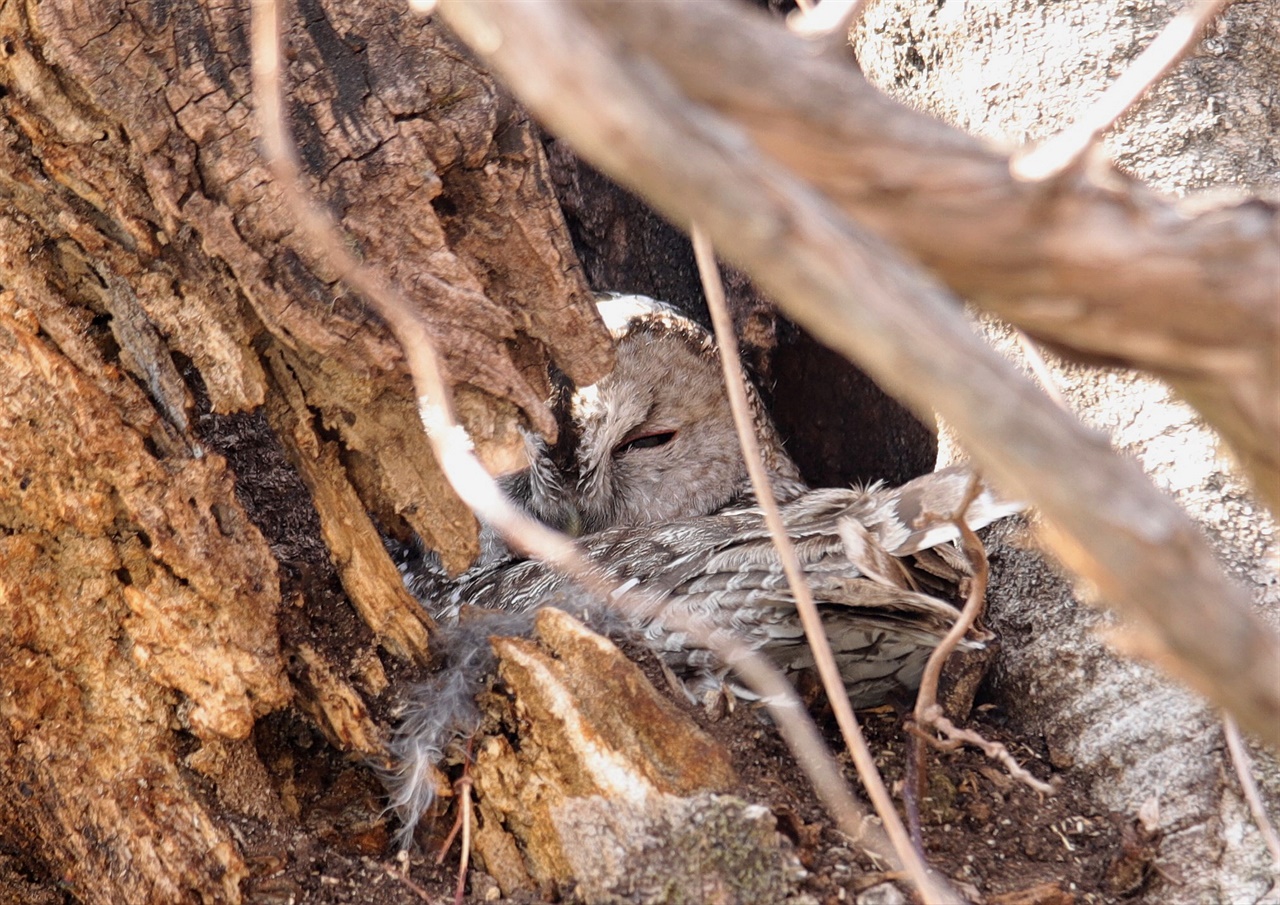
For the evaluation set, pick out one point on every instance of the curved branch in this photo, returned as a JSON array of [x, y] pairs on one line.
[[1109, 523], [1092, 262]]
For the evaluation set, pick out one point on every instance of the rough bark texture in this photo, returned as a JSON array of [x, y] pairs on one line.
[[150, 286]]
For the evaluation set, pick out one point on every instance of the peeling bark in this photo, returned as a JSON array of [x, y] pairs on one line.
[[611, 787], [150, 282]]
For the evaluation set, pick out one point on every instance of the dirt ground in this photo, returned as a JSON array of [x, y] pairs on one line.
[[999, 841]]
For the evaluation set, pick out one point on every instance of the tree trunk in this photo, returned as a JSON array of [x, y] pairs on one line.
[[152, 286], [204, 436]]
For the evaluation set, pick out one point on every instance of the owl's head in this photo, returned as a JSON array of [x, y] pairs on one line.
[[654, 440]]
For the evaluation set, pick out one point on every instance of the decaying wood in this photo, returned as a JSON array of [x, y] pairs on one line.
[[144, 251], [387, 155], [611, 786], [1110, 524], [128, 576], [354, 544]]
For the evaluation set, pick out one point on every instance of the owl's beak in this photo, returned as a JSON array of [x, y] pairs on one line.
[[572, 525]]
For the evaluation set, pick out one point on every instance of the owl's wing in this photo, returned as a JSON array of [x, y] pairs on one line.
[[884, 607], [904, 524]]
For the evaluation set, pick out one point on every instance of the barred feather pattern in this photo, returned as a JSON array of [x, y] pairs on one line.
[[648, 470], [722, 571]]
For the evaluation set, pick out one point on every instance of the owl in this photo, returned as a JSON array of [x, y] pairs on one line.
[[879, 561], [652, 441], [647, 471]]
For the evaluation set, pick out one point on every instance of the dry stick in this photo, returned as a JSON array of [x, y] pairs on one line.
[[1083, 263], [1065, 150], [453, 449], [928, 714], [856, 293], [462, 786], [832, 682], [1249, 787], [465, 792]]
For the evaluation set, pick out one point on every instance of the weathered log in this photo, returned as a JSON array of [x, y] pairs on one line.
[[611, 787]]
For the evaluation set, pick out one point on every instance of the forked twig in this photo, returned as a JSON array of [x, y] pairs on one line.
[[928, 713], [816, 635], [1063, 151], [953, 737], [456, 457]]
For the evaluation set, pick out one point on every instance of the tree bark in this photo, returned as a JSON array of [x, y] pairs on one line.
[[203, 434], [151, 285]]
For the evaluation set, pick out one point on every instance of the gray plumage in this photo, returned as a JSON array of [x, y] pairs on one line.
[[648, 470], [882, 572], [652, 441]]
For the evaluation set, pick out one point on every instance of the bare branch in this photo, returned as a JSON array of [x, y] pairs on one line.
[[1243, 765], [1051, 158], [1093, 264], [832, 682], [1107, 521]]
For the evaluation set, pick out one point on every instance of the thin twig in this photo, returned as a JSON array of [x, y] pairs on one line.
[[461, 787], [456, 458], [1065, 150], [1244, 772], [913, 786], [928, 694], [816, 635], [928, 714], [953, 737], [464, 791]]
